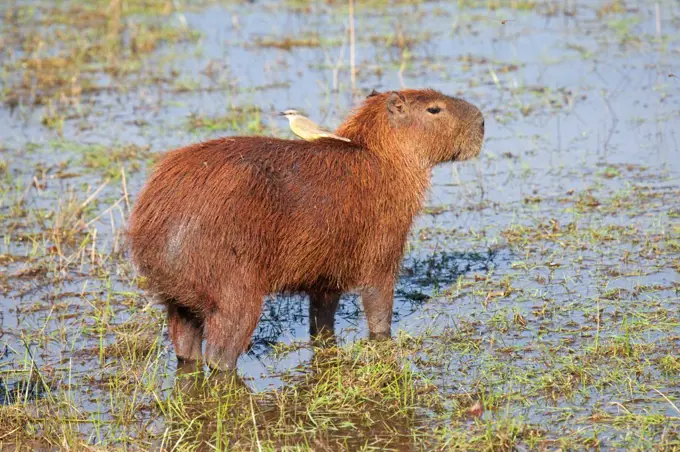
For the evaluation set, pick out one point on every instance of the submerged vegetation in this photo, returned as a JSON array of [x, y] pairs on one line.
[[539, 302]]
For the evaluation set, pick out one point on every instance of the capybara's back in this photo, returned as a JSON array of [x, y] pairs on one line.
[[221, 224]]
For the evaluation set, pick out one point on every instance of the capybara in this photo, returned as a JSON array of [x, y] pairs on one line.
[[223, 223]]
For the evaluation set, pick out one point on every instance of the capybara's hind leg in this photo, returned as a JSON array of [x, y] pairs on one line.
[[377, 303], [228, 332], [322, 307], [186, 332]]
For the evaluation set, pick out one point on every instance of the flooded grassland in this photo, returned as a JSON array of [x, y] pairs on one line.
[[539, 302]]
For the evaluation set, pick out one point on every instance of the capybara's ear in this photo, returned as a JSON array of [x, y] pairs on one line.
[[397, 107], [373, 93]]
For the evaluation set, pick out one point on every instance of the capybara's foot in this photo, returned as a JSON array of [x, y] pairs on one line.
[[227, 335], [186, 332], [229, 380], [189, 377], [383, 336], [189, 367], [220, 358], [324, 339], [378, 306], [322, 307]]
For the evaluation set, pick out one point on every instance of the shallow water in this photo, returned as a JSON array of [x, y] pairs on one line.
[[582, 113]]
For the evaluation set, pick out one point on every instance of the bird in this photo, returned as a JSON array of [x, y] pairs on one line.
[[307, 129]]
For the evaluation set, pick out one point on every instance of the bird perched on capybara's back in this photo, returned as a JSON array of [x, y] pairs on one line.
[[221, 224]]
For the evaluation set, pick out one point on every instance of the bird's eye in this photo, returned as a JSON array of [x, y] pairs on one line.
[[434, 110]]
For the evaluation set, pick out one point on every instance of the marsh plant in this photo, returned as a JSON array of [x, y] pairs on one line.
[[538, 306]]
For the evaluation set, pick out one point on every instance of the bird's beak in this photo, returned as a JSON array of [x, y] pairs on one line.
[[282, 114]]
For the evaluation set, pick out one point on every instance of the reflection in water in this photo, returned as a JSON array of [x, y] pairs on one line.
[[22, 391], [196, 406], [420, 278], [28, 383], [364, 394], [582, 118]]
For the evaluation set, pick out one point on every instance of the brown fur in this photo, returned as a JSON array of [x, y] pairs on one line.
[[221, 224]]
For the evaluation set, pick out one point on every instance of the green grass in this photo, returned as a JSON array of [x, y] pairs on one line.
[[538, 306], [62, 64], [245, 120], [586, 363]]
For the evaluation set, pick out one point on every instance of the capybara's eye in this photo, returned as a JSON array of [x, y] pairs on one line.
[[434, 110]]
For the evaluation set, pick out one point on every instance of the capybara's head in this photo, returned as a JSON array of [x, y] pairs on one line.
[[427, 124]]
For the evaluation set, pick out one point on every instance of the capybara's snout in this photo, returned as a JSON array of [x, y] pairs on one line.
[[471, 137]]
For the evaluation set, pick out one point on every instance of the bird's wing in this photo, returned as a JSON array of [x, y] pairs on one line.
[[311, 125], [321, 130]]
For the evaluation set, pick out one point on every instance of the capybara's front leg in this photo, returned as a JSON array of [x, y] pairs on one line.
[[377, 303], [322, 307], [228, 331], [186, 332]]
